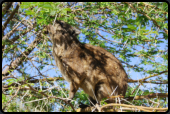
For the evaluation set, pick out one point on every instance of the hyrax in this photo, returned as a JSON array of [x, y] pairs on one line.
[[92, 68]]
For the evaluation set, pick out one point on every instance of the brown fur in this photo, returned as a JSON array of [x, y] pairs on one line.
[[89, 67]]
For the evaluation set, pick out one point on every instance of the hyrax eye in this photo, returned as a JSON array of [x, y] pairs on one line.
[[61, 23]]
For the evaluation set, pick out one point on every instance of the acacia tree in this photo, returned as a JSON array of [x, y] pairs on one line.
[[133, 32]]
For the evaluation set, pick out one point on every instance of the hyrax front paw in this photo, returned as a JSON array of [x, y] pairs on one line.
[[68, 100]]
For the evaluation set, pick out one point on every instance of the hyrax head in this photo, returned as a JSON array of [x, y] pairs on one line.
[[62, 27]]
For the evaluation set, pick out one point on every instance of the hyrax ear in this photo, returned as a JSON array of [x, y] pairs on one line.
[[45, 30], [76, 31]]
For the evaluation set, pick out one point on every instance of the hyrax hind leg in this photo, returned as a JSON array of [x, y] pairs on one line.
[[102, 90]]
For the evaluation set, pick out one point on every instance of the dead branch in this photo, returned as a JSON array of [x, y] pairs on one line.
[[33, 81], [153, 95], [11, 76], [143, 108], [64, 99], [143, 80]]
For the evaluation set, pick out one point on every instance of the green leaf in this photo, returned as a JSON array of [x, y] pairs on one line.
[[47, 6], [29, 12], [53, 12], [68, 9], [25, 5], [131, 27], [11, 46], [39, 21]]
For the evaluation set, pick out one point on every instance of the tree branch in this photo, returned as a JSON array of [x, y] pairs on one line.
[[21, 58], [143, 79], [6, 8], [10, 17]]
